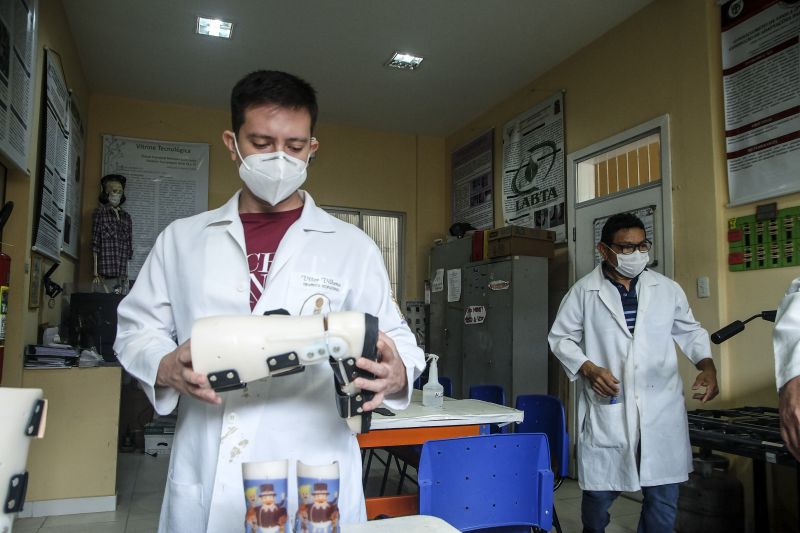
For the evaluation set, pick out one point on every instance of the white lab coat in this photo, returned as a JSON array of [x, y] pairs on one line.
[[198, 268], [786, 337], [591, 325]]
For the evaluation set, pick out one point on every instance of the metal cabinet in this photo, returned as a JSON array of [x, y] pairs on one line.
[[496, 333], [504, 341], [446, 319]]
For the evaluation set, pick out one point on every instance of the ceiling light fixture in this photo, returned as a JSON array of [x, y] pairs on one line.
[[403, 61], [214, 27]]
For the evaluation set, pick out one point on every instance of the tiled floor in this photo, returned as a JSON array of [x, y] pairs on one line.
[[140, 485]]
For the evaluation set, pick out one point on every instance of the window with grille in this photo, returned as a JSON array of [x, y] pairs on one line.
[[386, 228], [634, 164]]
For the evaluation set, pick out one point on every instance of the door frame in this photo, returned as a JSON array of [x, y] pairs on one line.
[[657, 125]]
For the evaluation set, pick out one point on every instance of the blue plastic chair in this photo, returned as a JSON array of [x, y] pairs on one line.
[[488, 481], [545, 414], [447, 386], [488, 393], [491, 394]]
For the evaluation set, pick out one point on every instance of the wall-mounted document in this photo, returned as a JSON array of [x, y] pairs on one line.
[[17, 64], [165, 181]]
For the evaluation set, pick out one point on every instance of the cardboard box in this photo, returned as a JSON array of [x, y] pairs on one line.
[[518, 240], [161, 444], [522, 231]]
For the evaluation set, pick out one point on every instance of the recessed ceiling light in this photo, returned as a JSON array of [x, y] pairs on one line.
[[403, 61], [214, 27]]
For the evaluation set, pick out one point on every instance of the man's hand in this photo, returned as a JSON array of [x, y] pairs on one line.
[[603, 382], [790, 415], [706, 378], [389, 372], [175, 370]]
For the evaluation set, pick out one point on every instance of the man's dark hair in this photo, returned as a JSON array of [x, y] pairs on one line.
[[272, 87], [618, 222]]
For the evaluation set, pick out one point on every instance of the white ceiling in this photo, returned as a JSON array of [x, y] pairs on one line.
[[477, 52]]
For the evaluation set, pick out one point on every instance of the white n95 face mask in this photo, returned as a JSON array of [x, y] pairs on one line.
[[632, 265], [273, 176], [115, 198]]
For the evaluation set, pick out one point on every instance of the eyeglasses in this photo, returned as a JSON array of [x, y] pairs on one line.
[[627, 249]]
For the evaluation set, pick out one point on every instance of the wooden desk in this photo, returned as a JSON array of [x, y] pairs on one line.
[[417, 424], [75, 465]]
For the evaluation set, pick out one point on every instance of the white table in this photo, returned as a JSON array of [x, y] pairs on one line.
[[403, 524], [452, 413]]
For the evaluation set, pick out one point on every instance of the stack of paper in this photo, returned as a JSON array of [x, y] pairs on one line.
[[50, 356]]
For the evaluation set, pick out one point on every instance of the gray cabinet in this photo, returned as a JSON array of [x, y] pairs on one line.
[[446, 319], [496, 333], [507, 343]]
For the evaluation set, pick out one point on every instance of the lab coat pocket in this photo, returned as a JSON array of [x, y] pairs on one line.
[[185, 507], [606, 427]]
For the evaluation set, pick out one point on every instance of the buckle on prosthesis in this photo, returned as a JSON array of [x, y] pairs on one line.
[[22, 417], [234, 350]]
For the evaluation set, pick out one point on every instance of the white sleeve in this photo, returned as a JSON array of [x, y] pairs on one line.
[[786, 337], [146, 329], [374, 296], [687, 332], [566, 335]]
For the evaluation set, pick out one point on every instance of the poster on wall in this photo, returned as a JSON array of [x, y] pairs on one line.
[[165, 181], [72, 211], [534, 181], [17, 64], [761, 82], [54, 166], [473, 182]]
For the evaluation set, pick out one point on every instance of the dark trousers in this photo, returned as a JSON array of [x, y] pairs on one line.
[[659, 509]]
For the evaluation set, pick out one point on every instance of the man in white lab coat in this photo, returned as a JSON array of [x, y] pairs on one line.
[[615, 333], [786, 342], [268, 247]]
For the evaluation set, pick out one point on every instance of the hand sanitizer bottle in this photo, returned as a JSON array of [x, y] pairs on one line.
[[433, 392]]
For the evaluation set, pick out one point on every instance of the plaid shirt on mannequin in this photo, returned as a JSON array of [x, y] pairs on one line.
[[112, 231]]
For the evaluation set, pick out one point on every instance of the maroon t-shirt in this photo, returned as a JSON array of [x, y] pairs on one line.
[[262, 235]]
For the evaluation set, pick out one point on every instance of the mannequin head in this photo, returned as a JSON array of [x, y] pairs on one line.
[[112, 190]]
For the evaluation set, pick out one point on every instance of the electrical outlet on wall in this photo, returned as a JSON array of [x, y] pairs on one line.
[[703, 290]]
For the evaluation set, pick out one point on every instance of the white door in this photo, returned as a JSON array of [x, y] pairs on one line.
[[629, 172], [598, 187]]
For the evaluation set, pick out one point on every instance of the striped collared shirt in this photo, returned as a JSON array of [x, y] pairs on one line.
[[630, 300]]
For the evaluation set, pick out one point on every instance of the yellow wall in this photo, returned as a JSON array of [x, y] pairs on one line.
[[22, 322], [354, 167], [666, 60]]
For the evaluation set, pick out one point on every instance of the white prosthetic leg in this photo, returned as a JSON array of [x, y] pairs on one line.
[[234, 350], [22, 417]]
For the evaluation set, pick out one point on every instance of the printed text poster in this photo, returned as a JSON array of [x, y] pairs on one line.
[[165, 181], [761, 80], [473, 182], [534, 182]]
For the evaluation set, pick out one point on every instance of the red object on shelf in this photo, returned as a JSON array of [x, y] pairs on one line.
[[735, 235], [5, 276], [736, 258], [477, 246]]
